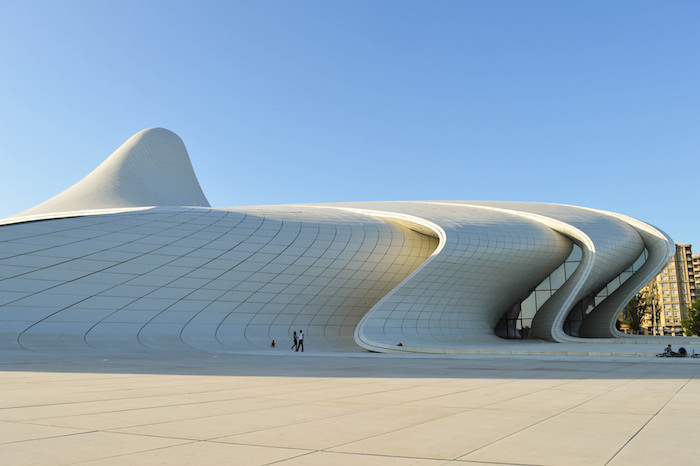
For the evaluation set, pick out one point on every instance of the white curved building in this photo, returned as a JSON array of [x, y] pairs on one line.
[[134, 255]]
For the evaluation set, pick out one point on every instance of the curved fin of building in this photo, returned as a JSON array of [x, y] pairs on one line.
[[609, 246], [600, 323]]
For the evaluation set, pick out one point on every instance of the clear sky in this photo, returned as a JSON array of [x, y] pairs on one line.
[[591, 103]]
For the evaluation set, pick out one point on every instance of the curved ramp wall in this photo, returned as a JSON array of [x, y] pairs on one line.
[[210, 278], [489, 259], [436, 275]]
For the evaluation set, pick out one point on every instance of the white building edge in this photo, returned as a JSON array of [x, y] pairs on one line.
[[134, 255]]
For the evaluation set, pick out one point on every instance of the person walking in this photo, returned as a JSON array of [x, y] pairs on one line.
[[301, 341], [295, 341]]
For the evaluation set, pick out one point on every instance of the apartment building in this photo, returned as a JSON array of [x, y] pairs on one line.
[[674, 289]]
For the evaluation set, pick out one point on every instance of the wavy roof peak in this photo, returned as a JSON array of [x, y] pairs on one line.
[[152, 168]]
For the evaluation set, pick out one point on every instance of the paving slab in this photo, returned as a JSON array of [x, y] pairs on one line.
[[183, 407]]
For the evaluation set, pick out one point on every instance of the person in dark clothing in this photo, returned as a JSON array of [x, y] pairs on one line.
[[295, 341]]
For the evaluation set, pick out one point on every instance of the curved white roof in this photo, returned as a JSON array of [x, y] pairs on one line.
[[434, 275]]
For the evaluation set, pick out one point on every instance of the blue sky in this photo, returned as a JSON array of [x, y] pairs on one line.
[[592, 103]]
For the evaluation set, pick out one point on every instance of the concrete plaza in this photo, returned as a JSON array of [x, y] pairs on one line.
[[157, 407]]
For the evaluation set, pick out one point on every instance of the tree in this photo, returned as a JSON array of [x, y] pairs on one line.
[[651, 302], [691, 325], [635, 311]]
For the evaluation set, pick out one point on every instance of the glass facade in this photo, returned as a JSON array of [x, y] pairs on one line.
[[517, 322]]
